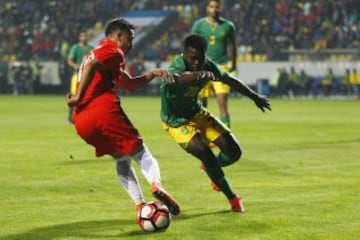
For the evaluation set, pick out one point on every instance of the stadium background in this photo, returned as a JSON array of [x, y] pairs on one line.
[[274, 36]]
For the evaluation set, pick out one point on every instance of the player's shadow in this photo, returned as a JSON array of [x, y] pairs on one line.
[[78, 162], [186, 215], [101, 229], [247, 227]]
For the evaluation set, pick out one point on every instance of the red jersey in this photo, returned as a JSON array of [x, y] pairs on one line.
[[106, 81], [99, 118]]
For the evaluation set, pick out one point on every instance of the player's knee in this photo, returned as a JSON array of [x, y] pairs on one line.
[[239, 154], [236, 153]]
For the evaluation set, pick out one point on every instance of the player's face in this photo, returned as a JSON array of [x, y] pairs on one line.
[[82, 37], [213, 9], [125, 41], [194, 59]]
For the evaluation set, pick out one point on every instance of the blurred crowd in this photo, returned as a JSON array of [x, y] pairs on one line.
[[266, 27], [40, 30], [44, 29], [292, 83]]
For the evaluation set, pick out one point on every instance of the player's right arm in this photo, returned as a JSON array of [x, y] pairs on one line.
[[133, 83], [262, 102], [188, 77], [86, 74]]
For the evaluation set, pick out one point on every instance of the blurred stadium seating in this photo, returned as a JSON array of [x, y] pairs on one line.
[[278, 30]]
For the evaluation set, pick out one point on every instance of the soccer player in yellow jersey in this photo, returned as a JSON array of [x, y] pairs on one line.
[[220, 34], [191, 125]]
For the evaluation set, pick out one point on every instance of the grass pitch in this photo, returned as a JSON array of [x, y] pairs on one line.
[[299, 175]]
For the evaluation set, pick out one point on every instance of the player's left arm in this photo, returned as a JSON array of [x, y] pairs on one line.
[[236, 84], [231, 48]]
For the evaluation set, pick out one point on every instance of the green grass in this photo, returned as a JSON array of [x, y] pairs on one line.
[[299, 175]]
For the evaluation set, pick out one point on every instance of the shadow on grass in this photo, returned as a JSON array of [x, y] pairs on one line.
[[86, 230], [107, 229], [92, 229], [74, 161], [185, 216]]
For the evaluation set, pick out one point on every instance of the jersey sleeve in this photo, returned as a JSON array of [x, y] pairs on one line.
[[196, 27], [177, 66], [72, 52], [218, 72], [232, 30]]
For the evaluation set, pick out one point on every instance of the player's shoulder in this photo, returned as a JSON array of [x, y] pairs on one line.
[[108, 49], [74, 46], [211, 66], [200, 21], [177, 65], [226, 21]]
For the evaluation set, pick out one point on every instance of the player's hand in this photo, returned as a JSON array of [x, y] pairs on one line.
[[262, 102], [164, 74], [206, 75], [169, 78], [72, 100]]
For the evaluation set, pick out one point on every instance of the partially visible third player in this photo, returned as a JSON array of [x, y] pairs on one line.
[[76, 55], [220, 34]]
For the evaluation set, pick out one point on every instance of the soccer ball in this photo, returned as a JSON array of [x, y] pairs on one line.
[[154, 216]]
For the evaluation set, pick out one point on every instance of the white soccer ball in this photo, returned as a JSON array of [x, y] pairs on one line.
[[154, 216]]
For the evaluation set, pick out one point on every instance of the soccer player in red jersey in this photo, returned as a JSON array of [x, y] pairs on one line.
[[100, 120]]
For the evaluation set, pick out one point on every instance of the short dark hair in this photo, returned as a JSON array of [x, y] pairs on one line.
[[118, 24], [209, 1], [81, 31], [196, 41]]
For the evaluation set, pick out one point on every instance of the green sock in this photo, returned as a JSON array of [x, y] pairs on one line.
[[217, 176], [224, 160], [226, 120]]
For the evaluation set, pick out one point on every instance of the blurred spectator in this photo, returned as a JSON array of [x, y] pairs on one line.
[[44, 29], [3, 75], [283, 82], [293, 86], [345, 86], [329, 83], [304, 83], [355, 80]]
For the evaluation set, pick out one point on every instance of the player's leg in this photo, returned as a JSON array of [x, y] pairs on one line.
[[222, 95], [150, 169], [222, 99], [128, 179], [199, 149], [190, 138], [148, 164], [216, 132], [230, 150]]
